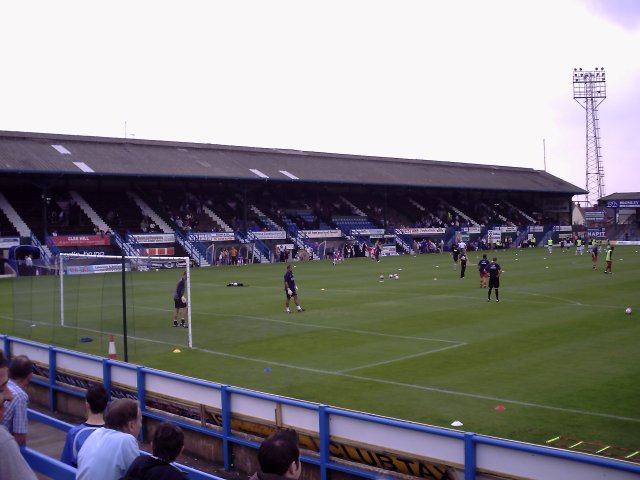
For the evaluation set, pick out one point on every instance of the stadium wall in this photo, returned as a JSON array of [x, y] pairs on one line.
[[225, 425]]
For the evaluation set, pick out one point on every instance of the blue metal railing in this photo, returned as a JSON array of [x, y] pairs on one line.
[[51, 244], [130, 238], [122, 245], [36, 243], [264, 250], [190, 247], [469, 441]]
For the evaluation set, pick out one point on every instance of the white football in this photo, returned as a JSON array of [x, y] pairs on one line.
[[184, 299], [628, 311]]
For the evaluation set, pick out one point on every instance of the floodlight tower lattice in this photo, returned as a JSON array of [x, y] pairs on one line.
[[590, 90]]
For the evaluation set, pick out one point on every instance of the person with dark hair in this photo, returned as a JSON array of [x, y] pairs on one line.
[[13, 466], [483, 264], [291, 290], [454, 254], [167, 443], [15, 415], [463, 262], [95, 405], [279, 456], [180, 301], [594, 255], [494, 270], [110, 451]]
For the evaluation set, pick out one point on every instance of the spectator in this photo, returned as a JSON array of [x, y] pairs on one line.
[[279, 456], [15, 415], [13, 466], [28, 260], [95, 404], [110, 451], [167, 443]]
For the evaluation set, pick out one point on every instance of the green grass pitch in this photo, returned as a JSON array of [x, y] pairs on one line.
[[558, 351]]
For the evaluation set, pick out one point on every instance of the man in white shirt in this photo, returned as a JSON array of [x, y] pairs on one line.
[[110, 451]]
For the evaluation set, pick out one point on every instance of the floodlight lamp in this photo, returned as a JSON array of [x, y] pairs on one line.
[[580, 69], [575, 69]]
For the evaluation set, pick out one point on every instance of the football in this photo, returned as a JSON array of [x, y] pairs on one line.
[[628, 311], [184, 299]]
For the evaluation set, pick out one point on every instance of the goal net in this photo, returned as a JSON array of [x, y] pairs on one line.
[[85, 299]]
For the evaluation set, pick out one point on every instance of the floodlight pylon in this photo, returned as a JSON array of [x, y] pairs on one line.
[[590, 90]]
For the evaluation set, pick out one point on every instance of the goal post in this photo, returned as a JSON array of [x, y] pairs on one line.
[[77, 296], [96, 264]]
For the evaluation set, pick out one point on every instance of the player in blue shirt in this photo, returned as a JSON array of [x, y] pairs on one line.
[[494, 278], [96, 403], [482, 268], [291, 290]]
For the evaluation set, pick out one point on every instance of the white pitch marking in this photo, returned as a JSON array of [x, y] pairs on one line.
[[322, 327], [399, 359], [386, 382]]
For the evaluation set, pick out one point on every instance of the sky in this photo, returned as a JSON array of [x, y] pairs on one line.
[[471, 81]]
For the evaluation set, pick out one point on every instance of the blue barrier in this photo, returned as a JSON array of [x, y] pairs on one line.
[[326, 419]]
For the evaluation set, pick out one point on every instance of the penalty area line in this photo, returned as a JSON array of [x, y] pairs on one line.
[[389, 382], [316, 326], [399, 359], [427, 389]]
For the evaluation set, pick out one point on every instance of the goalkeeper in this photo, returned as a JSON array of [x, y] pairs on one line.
[[291, 290], [180, 301]]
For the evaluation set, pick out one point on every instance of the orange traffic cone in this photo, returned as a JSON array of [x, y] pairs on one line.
[[112, 348]]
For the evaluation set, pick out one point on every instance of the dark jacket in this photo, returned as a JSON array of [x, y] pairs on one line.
[[267, 476], [146, 467]]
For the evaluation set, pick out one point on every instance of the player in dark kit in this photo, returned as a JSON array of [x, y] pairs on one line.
[[594, 255], [454, 254], [180, 301], [291, 290], [483, 265], [463, 263], [494, 278]]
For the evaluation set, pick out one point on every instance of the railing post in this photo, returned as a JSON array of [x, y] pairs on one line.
[[325, 435], [106, 376], [141, 388], [52, 379], [225, 400], [469, 456]]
